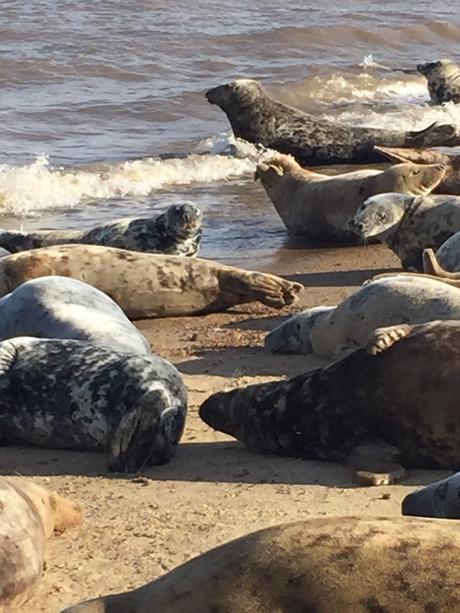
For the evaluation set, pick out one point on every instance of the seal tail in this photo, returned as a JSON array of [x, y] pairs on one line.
[[417, 156], [434, 135], [431, 266], [257, 286]]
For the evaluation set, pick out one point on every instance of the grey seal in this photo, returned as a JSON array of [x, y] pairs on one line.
[[439, 499], [69, 394], [443, 77], [29, 514], [322, 564], [258, 118], [406, 224], [334, 331], [177, 231], [391, 406], [60, 307], [320, 207], [149, 285]]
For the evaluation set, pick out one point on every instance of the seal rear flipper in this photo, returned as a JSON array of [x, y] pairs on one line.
[[434, 135], [433, 267], [374, 463], [256, 286]]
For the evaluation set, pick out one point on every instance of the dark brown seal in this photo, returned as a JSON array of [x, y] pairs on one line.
[[406, 398], [318, 565], [258, 118], [147, 285], [29, 514]]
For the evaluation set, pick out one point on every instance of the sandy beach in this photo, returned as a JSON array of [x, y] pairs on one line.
[[139, 527]]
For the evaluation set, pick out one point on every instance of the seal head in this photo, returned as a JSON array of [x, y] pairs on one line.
[[379, 214], [293, 336]]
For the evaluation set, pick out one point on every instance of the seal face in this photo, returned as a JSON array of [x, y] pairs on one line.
[[408, 225], [28, 515], [177, 231], [334, 331], [68, 394], [258, 118], [443, 79], [345, 564], [401, 392], [60, 307], [320, 207]]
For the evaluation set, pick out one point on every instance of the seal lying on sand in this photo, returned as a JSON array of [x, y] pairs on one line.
[[66, 394], [146, 285], [177, 231], [335, 331], [439, 499], [407, 225], [320, 207], [443, 79], [450, 184], [258, 118], [325, 565], [29, 514], [373, 412], [59, 307]]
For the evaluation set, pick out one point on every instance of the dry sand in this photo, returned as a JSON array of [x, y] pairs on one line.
[[137, 528]]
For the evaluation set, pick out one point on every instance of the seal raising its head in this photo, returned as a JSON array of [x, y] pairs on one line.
[[443, 79], [66, 394], [258, 118], [320, 565], [29, 514], [320, 207], [177, 231], [396, 403], [408, 225]]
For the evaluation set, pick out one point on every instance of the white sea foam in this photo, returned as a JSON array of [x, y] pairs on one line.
[[26, 190]]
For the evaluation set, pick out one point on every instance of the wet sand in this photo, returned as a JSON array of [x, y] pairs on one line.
[[137, 528]]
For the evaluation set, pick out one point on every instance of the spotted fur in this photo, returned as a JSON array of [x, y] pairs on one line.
[[443, 79]]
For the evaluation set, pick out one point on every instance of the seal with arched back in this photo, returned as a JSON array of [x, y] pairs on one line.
[[392, 406], [321, 565], [258, 118]]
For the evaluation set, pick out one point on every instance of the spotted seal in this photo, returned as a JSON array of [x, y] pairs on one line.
[[443, 79], [148, 285], [335, 331], [60, 307], [258, 118], [392, 406], [346, 564], [407, 224], [439, 499], [68, 394], [450, 184], [29, 514], [177, 231], [320, 207]]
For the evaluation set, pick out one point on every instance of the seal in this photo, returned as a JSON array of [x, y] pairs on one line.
[[450, 184], [29, 515], [443, 79], [320, 207], [406, 224], [335, 331], [258, 118], [68, 394], [378, 410], [325, 564], [177, 231], [148, 285], [60, 307], [439, 499]]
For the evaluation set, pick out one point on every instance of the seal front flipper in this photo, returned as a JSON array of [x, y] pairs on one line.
[[268, 289], [373, 463], [382, 339]]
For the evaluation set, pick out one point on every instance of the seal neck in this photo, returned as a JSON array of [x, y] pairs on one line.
[[408, 214]]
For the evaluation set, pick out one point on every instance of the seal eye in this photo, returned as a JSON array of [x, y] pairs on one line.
[[416, 172]]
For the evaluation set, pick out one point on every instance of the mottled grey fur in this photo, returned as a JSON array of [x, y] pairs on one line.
[[60, 307], [448, 254], [258, 118], [443, 79], [177, 231], [408, 225], [439, 499], [67, 394]]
